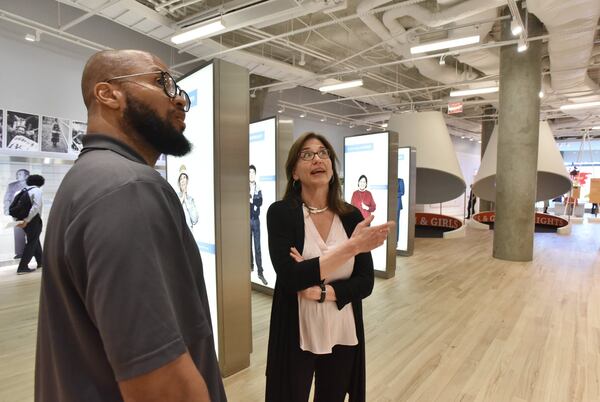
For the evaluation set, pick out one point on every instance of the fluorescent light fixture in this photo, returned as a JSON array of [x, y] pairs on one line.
[[343, 85], [515, 27], [584, 105], [384, 125], [596, 128], [199, 32], [445, 44], [475, 91], [522, 45]]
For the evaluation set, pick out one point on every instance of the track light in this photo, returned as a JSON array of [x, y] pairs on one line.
[[384, 125], [339, 123], [369, 128], [253, 94], [445, 44], [281, 109], [351, 125], [443, 60], [515, 27], [302, 61], [323, 119], [522, 45], [303, 114], [33, 37]]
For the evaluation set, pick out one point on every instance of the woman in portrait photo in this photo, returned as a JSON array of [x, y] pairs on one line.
[[363, 199]]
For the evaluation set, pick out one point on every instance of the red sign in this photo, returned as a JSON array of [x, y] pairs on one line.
[[436, 220], [540, 219], [455, 107]]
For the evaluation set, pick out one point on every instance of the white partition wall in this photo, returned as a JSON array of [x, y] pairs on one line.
[[212, 184], [370, 184], [263, 153]]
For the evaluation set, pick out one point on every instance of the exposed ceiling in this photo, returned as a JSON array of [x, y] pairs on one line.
[[311, 42]]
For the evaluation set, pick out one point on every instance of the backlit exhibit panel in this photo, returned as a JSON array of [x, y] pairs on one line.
[[192, 177], [403, 211], [262, 187], [366, 181]]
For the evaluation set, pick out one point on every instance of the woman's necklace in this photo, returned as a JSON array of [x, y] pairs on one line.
[[313, 210]]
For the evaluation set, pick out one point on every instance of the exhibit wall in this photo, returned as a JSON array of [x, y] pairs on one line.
[[192, 177], [366, 181]]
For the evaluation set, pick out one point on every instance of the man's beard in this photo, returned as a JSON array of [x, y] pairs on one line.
[[159, 133]]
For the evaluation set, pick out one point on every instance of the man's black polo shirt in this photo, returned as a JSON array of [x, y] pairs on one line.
[[122, 289]]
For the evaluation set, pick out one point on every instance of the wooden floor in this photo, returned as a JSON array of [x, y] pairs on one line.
[[453, 325]]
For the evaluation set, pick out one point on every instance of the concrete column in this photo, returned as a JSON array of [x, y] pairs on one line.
[[487, 127], [516, 173]]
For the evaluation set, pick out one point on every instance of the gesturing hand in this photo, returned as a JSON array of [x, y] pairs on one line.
[[367, 238]]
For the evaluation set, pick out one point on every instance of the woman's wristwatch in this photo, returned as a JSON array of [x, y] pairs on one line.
[[323, 292]]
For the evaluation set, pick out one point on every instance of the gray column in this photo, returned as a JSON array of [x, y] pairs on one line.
[[487, 127], [516, 172], [231, 213]]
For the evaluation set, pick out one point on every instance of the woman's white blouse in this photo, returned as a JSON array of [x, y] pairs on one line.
[[322, 325]]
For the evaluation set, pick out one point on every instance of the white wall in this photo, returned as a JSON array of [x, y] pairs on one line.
[[37, 80]]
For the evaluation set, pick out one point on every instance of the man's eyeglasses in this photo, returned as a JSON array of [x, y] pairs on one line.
[[310, 155], [168, 83]]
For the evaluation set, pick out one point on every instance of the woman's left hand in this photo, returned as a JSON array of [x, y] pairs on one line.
[[311, 293]]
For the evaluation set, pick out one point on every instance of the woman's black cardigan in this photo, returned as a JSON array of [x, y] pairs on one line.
[[285, 222]]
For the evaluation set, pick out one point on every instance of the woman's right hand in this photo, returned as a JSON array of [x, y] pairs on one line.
[[366, 238]]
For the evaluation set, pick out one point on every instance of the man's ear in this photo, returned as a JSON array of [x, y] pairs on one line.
[[108, 95]]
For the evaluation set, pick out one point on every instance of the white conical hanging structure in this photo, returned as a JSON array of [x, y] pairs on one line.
[[439, 177], [552, 179]]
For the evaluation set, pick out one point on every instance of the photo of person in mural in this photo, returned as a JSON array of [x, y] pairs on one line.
[[187, 201], [22, 131], [400, 206], [55, 134], [256, 201], [78, 130], [363, 199], [13, 188]]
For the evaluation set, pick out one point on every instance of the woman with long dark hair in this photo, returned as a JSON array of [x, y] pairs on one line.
[[320, 248]]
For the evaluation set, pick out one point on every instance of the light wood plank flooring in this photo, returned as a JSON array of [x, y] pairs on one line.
[[453, 325]]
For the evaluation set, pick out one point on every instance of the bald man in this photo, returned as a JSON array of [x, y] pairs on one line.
[[124, 314]]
